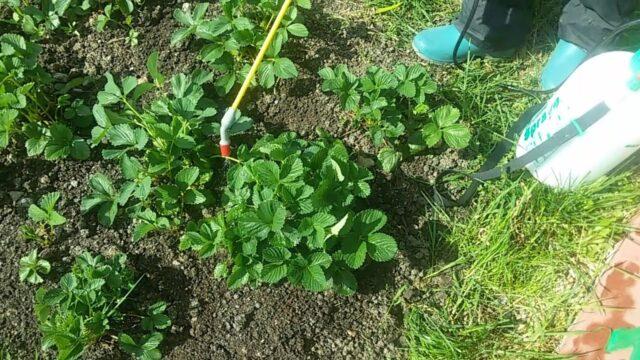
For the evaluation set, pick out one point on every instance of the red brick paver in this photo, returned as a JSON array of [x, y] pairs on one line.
[[617, 307]]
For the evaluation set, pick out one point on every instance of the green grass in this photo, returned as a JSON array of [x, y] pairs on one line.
[[525, 257]]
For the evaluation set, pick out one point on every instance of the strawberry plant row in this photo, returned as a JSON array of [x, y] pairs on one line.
[[285, 196], [38, 18], [392, 106], [230, 41]]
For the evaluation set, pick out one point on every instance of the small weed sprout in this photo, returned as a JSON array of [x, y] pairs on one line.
[[45, 218], [31, 268]]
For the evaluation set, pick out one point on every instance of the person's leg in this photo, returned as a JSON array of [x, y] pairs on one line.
[[497, 25], [497, 28], [584, 23], [587, 22]]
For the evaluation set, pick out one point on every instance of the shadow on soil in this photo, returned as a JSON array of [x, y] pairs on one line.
[[329, 38], [334, 37], [170, 285], [29, 170], [421, 240]]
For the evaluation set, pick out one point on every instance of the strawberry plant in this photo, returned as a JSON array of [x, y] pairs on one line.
[[155, 319], [391, 105], [444, 126], [38, 17], [291, 213], [105, 198], [31, 267], [46, 219], [86, 305], [147, 345], [145, 349], [165, 150], [124, 8], [233, 38], [26, 106]]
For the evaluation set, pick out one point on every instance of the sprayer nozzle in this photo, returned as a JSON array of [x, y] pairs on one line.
[[225, 150]]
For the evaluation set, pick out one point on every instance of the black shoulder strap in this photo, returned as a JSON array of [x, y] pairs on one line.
[[490, 170]]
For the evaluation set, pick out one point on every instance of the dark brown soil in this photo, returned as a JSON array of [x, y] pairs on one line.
[[211, 322]]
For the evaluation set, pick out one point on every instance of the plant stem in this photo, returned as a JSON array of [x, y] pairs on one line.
[[125, 296], [141, 122], [36, 102], [228, 158], [6, 78]]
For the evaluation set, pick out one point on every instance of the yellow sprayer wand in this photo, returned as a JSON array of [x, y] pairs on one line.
[[229, 116]]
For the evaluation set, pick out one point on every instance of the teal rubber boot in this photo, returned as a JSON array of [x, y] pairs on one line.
[[563, 62], [437, 45]]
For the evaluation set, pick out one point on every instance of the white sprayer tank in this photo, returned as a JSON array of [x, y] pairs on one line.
[[610, 77]]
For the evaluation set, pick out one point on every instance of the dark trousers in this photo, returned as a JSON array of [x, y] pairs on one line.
[[504, 24]]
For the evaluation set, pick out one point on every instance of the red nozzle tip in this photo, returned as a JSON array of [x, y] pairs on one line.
[[225, 150]]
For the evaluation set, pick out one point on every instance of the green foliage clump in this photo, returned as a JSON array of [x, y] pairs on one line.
[[31, 267], [85, 306], [165, 150], [124, 8], [232, 39], [391, 106], [27, 108], [38, 18], [46, 219], [290, 213]]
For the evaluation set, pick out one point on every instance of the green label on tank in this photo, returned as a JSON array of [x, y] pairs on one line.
[[531, 131], [623, 339]]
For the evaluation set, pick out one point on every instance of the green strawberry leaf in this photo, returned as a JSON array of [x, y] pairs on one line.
[[381, 247], [313, 278]]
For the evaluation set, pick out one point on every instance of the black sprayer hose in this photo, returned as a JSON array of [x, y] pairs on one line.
[[463, 33], [613, 36]]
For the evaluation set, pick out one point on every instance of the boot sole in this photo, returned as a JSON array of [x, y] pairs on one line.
[[497, 55]]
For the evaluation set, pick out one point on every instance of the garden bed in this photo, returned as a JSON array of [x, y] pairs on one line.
[[209, 320]]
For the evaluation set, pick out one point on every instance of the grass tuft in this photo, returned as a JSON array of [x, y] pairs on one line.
[[527, 258]]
